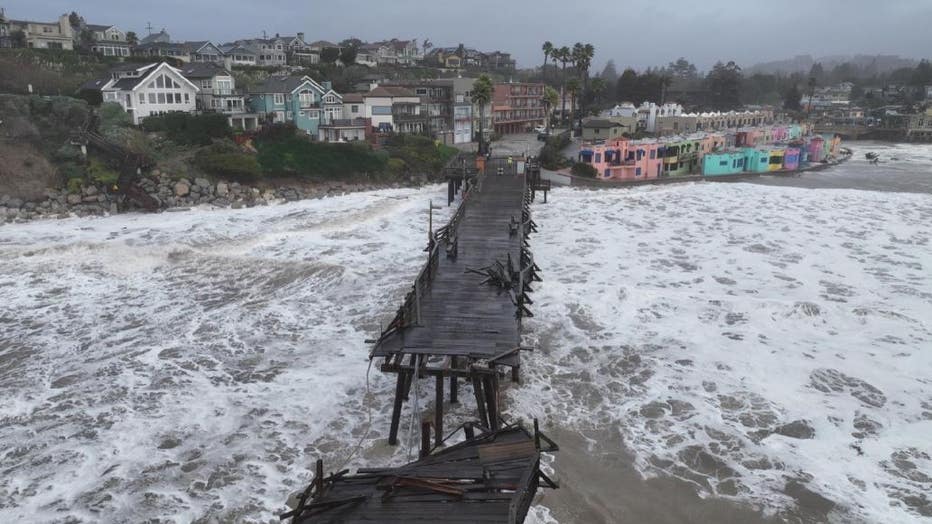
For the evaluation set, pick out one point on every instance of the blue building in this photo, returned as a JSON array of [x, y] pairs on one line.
[[298, 100]]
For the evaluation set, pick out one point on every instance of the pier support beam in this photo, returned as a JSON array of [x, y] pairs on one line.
[[396, 410], [438, 412]]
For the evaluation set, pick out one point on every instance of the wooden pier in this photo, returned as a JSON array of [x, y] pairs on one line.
[[490, 478], [460, 322], [462, 318]]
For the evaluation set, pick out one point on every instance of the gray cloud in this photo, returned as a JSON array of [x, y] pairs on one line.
[[638, 33]]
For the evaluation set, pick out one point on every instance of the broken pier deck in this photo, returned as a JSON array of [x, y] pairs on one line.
[[462, 318]]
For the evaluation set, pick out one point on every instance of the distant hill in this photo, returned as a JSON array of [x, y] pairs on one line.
[[869, 65]]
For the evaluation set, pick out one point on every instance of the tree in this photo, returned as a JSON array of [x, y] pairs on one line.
[[683, 70], [724, 85], [75, 20], [922, 76], [481, 96], [597, 89], [547, 48], [565, 56], [85, 38], [18, 39], [572, 88], [131, 38], [609, 73], [812, 86], [550, 100], [355, 42], [626, 86], [792, 99], [348, 55], [329, 55], [817, 71]]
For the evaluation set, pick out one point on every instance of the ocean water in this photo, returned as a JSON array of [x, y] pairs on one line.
[[748, 339], [191, 366]]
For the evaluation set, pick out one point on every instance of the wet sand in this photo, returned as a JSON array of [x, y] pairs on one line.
[[603, 487]]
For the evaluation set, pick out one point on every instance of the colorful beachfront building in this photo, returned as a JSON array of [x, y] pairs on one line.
[[791, 159], [723, 163], [756, 160]]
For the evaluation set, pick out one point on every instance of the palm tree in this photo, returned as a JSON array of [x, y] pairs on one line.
[[572, 87], [550, 100], [565, 57], [547, 48], [597, 87], [482, 95], [812, 86]]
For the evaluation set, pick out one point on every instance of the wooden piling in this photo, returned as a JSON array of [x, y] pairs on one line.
[[438, 412]]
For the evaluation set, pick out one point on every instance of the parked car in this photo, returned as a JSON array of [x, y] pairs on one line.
[[540, 129], [543, 136]]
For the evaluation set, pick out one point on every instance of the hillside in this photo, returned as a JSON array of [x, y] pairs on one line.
[[869, 65]]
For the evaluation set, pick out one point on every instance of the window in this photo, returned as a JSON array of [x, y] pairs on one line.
[[598, 157], [187, 99], [653, 154], [354, 108], [151, 98], [161, 98], [637, 172], [177, 98], [279, 116], [160, 81], [279, 99], [307, 98]]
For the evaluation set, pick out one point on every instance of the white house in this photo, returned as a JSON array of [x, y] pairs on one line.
[[152, 89], [108, 40]]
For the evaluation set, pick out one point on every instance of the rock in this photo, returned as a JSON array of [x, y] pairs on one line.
[[222, 189], [237, 205], [15, 203], [114, 208], [202, 182], [90, 190], [797, 429], [221, 202], [74, 199], [182, 188], [90, 199]]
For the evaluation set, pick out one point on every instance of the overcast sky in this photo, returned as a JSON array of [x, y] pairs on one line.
[[636, 33]]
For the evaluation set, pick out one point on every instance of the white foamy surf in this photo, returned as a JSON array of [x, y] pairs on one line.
[[747, 339], [191, 365]]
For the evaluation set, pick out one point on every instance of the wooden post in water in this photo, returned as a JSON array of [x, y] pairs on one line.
[[480, 398], [396, 409], [438, 412], [454, 383], [425, 439]]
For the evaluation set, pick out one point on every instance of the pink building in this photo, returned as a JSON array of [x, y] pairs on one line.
[[779, 134], [623, 159], [816, 149]]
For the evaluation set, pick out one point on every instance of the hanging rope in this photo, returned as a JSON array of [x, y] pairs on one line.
[[365, 435]]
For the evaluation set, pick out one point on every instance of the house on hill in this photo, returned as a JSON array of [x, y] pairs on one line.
[[44, 35], [146, 90], [298, 100], [107, 40]]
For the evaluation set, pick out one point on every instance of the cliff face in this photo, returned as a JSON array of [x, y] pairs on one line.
[[34, 136]]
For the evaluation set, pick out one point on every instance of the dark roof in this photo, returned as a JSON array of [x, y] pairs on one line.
[[126, 84], [155, 37], [202, 70], [601, 123], [97, 27], [391, 91], [355, 98], [278, 84], [94, 85]]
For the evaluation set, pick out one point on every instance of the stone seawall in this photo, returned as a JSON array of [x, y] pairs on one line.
[[100, 200]]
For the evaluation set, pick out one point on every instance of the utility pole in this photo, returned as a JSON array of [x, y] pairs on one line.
[[149, 27]]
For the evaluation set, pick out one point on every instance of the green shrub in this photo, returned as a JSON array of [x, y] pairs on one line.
[[584, 170], [396, 166], [75, 185], [112, 116], [101, 173], [297, 156], [420, 154], [188, 129], [228, 162]]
